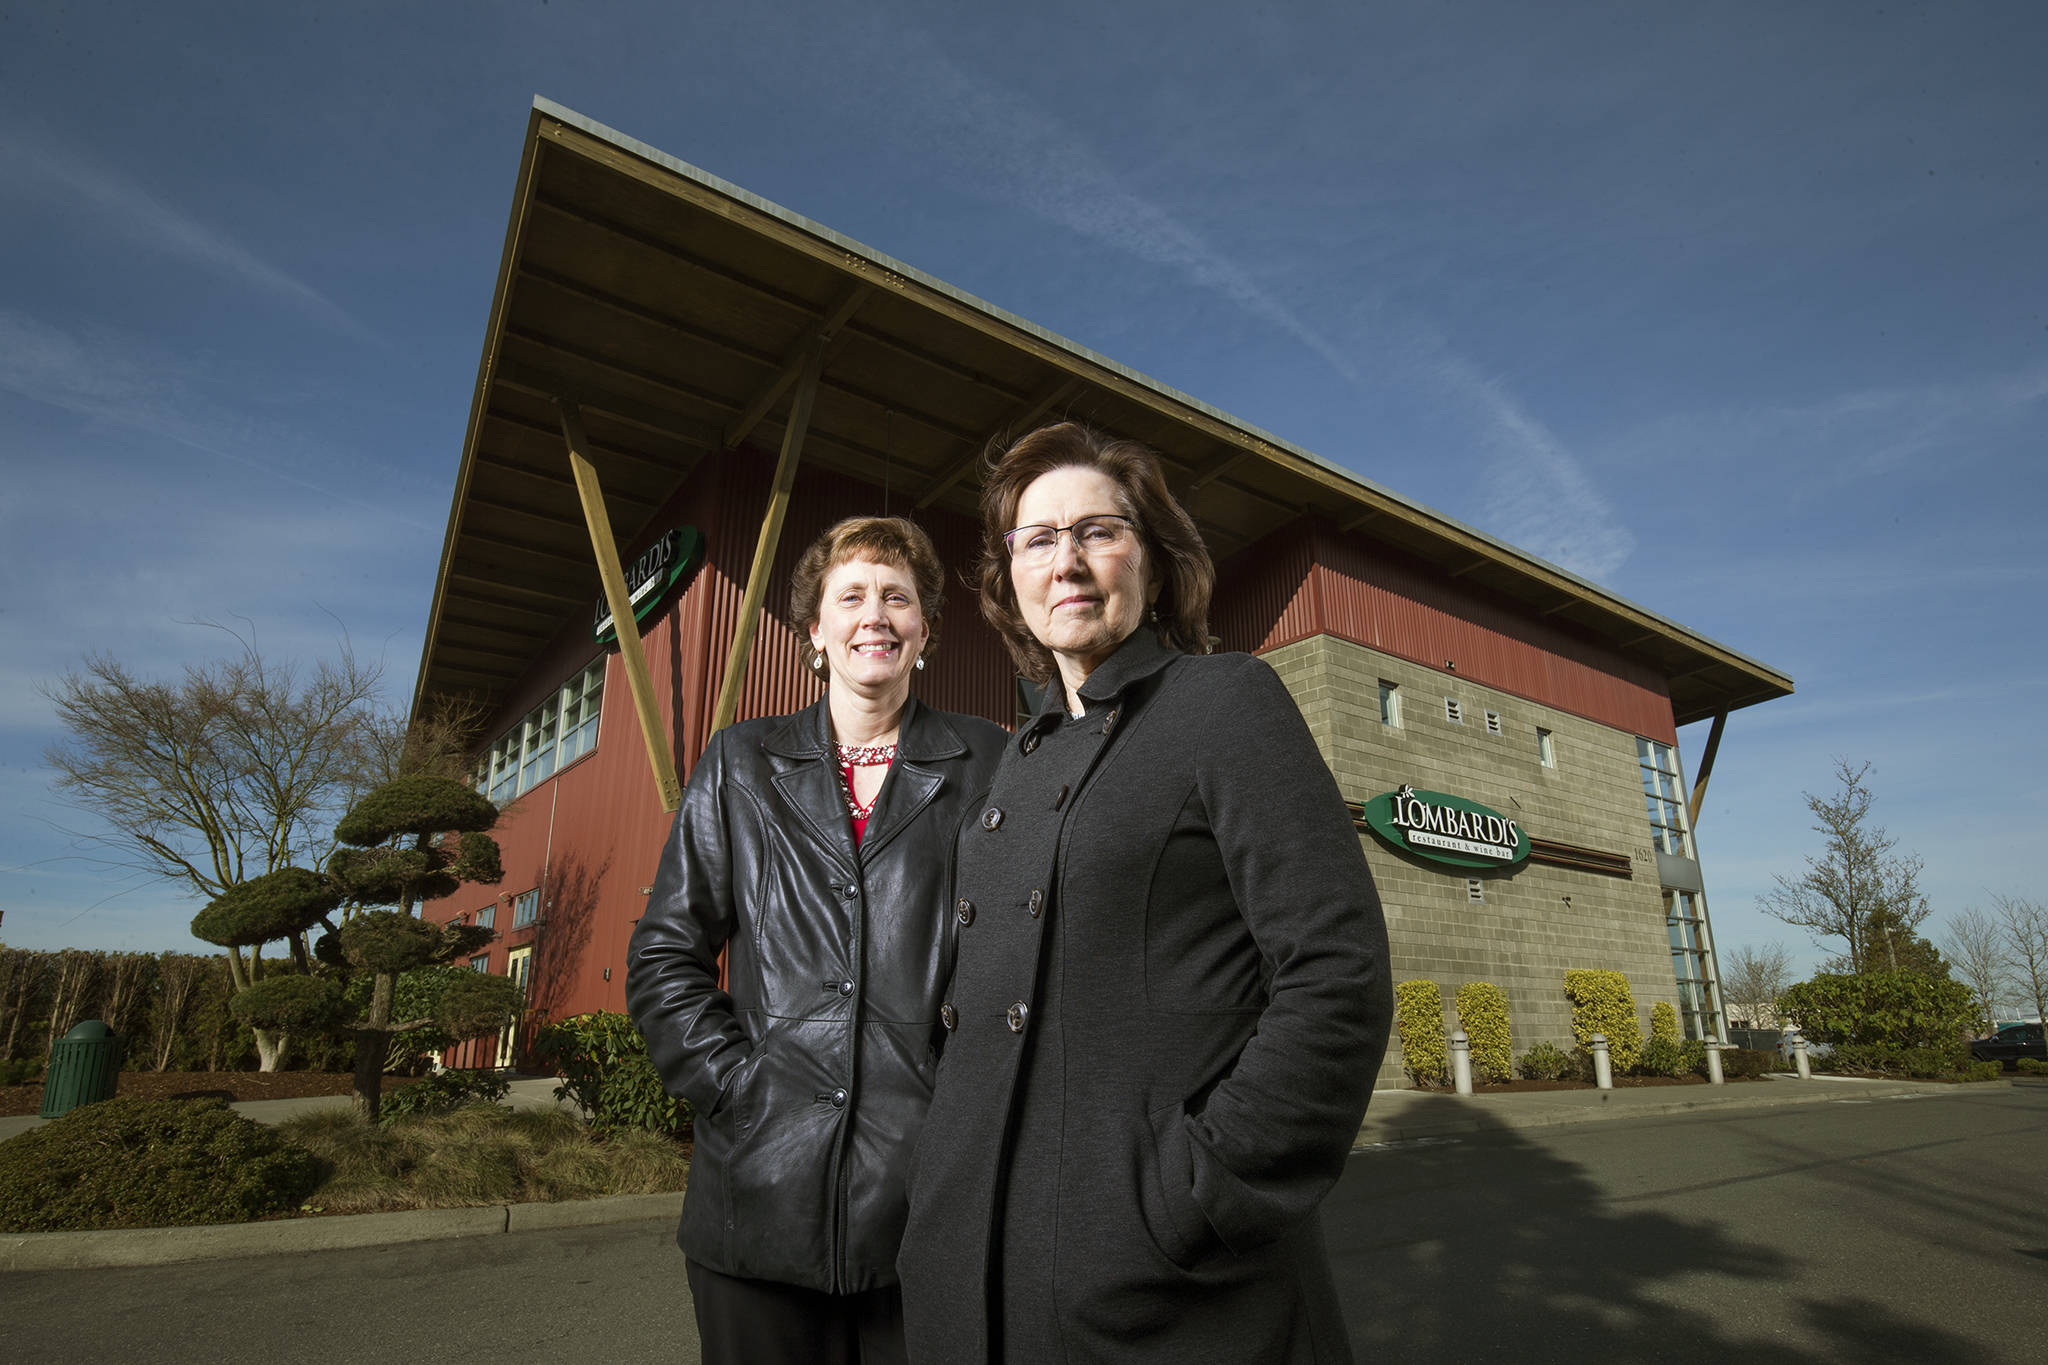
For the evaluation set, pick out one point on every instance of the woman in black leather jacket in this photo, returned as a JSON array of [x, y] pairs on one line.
[[815, 850]]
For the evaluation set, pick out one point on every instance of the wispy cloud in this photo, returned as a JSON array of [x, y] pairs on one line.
[[1541, 497], [105, 376], [33, 166]]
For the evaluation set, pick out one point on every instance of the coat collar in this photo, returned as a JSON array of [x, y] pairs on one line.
[[1139, 657], [922, 736]]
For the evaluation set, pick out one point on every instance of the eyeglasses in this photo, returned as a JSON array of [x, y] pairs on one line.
[[1034, 546]]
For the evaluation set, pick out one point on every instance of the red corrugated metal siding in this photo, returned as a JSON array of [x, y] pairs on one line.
[[589, 838], [1376, 599], [1263, 596]]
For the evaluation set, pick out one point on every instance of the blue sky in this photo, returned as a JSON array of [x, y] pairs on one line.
[[1740, 310]]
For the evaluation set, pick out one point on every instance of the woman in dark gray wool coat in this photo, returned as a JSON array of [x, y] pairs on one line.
[[816, 850], [1171, 990]]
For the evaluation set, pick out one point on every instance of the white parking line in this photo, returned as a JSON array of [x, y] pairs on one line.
[[1404, 1143]]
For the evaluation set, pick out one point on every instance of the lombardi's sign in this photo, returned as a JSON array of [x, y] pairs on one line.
[[660, 567], [1446, 829]]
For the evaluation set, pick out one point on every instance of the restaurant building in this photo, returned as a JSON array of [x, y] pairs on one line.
[[682, 384]]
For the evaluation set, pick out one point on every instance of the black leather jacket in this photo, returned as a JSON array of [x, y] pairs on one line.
[[811, 1071]]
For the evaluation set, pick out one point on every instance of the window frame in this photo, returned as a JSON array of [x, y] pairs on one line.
[[559, 731]]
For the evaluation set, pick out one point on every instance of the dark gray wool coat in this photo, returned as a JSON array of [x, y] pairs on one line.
[[810, 1071], [1170, 1000]]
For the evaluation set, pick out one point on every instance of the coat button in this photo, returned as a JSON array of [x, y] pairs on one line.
[[1036, 904], [1030, 742], [949, 1016], [846, 988], [839, 1099], [1109, 721], [992, 817], [965, 909], [1019, 1012], [850, 891]]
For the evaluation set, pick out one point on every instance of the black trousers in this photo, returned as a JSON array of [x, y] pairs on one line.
[[761, 1322]]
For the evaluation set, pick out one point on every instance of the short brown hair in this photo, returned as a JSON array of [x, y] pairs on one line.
[[885, 540], [1187, 576]]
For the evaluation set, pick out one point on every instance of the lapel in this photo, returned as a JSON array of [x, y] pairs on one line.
[[923, 741], [808, 783]]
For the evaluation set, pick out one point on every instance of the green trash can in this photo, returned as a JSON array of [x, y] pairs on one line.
[[85, 1068]]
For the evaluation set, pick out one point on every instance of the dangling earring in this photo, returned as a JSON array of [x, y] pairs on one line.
[[817, 661], [920, 663]]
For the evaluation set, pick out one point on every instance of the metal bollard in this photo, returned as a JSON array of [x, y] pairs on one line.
[[1461, 1062], [1603, 1070], [1799, 1057], [1714, 1076]]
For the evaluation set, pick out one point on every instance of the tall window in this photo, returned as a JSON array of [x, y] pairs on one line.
[[525, 908], [1664, 797], [1692, 946], [1390, 704], [488, 916], [561, 728], [1546, 748]]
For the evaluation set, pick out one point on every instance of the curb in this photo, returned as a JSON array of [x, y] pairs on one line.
[[284, 1236], [1393, 1128]]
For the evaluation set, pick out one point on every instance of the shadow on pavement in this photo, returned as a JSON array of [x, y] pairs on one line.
[[1537, 1263]]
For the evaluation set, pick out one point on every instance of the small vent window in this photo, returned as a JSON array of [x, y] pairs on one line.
[[1454, 711], [1475, 891], [1493, 722], [1390, 704], [1546, 748]]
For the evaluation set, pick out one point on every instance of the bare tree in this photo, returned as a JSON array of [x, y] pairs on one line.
[[1975, 946], [1756, 977], [2025, 928], [239, 768], [1858, 889]]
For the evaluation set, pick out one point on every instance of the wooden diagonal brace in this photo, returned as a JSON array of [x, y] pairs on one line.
[[771, 535], [599, 522]]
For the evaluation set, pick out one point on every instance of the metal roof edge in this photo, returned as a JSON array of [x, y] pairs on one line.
[[563, 114]]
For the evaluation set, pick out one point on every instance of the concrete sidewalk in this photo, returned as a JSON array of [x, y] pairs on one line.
[[1395, 1116]]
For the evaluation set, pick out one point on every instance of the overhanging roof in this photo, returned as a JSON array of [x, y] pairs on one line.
[[675, 309]]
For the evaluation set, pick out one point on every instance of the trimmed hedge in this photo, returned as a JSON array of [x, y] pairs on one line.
[[2033, 1066], [1664, 1022], [1742, 1062], [1419, 1014], [131, 1163], [1549, 1062], [1890, 1010], [1483, 1014], [1603, 1003]]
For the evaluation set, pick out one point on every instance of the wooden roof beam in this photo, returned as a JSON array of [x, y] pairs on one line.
[[827, 333], [642, 313], [537, 382], [1020, 419]]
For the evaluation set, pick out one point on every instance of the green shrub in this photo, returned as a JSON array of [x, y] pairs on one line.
[[1692, 1058], [21, 1071], [2033, 1066], [450, 1090], [1661, 1057], [1892, 1010], [1603, 1003], [1483, 1014], [1548, 1062], [605, 1068], [1984, 1071], [1920, 1062], [130, 1163], [1664, 1021], [1419, 1013], [1743, 1062]]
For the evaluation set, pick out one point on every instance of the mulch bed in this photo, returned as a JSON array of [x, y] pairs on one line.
[[232, 1086]]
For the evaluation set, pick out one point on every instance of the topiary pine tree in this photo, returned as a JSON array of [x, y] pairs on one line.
[[395, 861]]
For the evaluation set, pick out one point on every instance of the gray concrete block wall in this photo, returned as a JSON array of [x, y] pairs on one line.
[[1536, 922]]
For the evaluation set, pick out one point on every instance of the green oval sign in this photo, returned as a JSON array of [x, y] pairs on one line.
[[660, 567], [1446, 829]]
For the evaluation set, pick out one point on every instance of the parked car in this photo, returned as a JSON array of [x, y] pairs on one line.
[[2011, 1043]]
